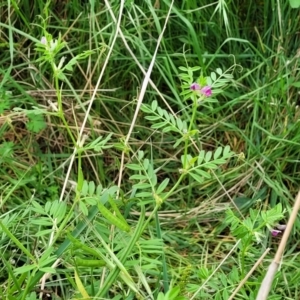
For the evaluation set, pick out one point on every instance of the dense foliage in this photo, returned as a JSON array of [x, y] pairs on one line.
[[149, 149]]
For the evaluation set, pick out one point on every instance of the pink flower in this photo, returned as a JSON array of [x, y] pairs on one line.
[[275, 232], [195, 87], [206, 90]]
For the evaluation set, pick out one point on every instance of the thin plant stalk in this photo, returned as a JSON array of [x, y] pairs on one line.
[[268, 280]]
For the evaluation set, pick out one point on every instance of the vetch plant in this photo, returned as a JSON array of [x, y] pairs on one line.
[[148, 187], [253, 230], [49, 49]]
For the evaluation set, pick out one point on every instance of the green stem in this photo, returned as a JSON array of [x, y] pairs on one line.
[[189, 130], [60, 112]]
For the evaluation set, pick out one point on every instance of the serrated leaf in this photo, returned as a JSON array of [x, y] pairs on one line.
[[36, 123]]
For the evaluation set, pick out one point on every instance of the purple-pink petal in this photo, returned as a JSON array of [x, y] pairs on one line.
[[275, 232], [195, 87], [206, 91]]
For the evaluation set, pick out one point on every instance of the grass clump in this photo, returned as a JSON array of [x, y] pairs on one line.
[[148, 151]]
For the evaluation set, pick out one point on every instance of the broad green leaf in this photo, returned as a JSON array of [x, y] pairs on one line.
[[145, 108], [208, 156], [159, 125], [145, 195], [294, 3], [179, 124], [142, 185], [138, 177], [162, 186], [84, 188], [48, 270], [210, 165], [201, 157], [24, 269], [226, 151], [160, 111], [43, 232], [92, 188], [134, 167], [169, 128], [37, 208], [219, 71], [166, 115], [202, 173], [152, 118], [48, 206], [154, 105], [83, 208], [218, 152], [183, 69], [172, 120], [146, 163], [197, 177], [43, 221], [213, 76]]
